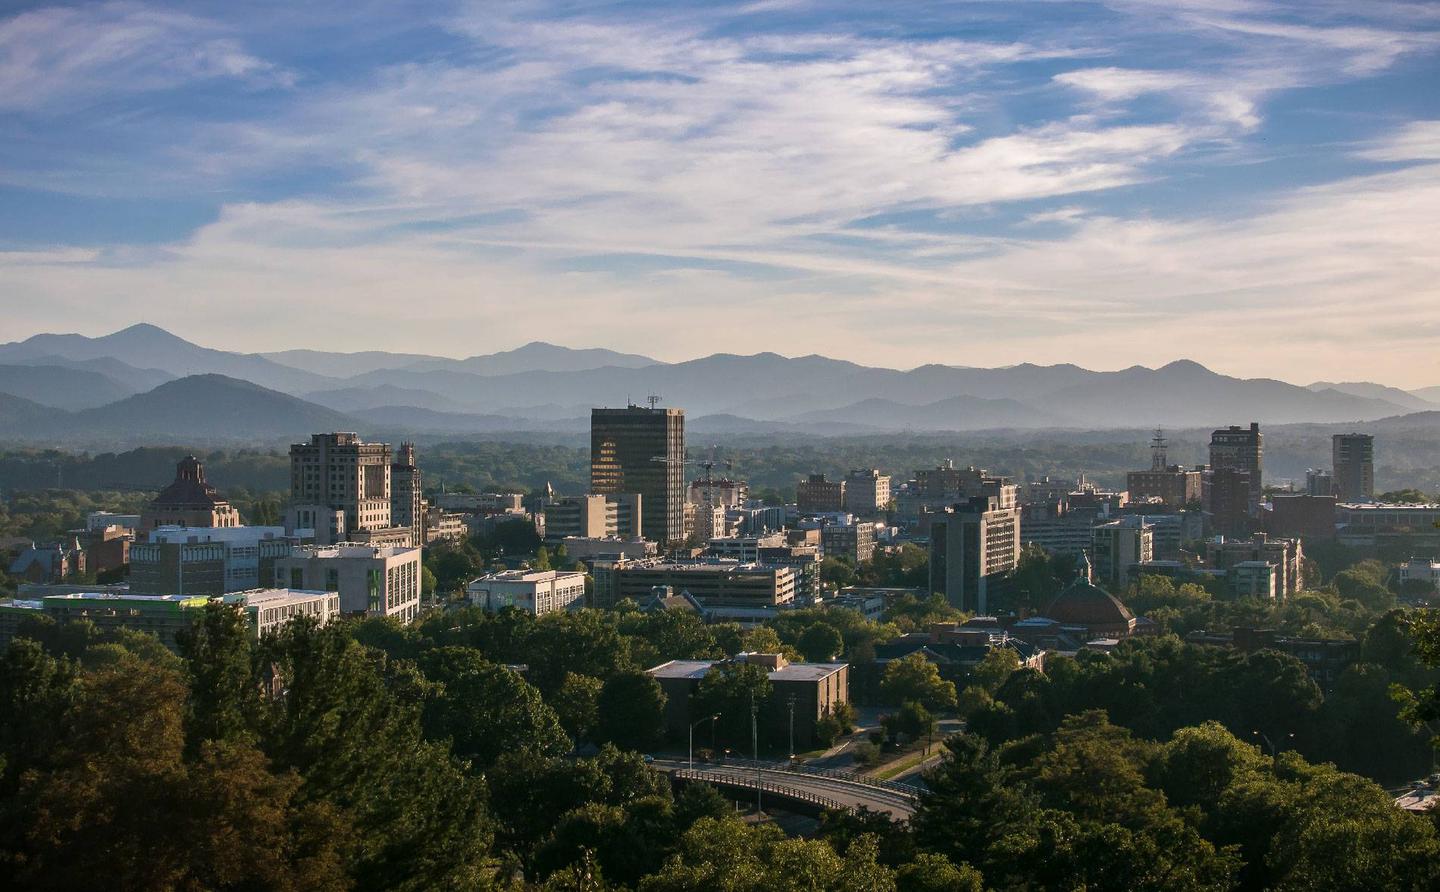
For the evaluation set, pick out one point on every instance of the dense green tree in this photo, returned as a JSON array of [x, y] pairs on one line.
[[576, 704], [631, 711], [915, 678], [486, 709], [821, 643], [224, 699], [418, 820], [934, 873], [583, 641]]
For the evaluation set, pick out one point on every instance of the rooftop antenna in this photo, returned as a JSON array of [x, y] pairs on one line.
[[1158, 460], [653, 400]]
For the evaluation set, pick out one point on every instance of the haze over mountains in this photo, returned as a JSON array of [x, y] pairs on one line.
[[145, 382]]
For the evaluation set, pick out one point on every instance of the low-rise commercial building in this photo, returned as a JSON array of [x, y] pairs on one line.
[[1370, 523], [811, 690], [1421, 570], [717, 583], [165, 616], [854, 542], [536, 592], [816, 495], [269, 609], [1286, 554], [371, 579], [208, 561]]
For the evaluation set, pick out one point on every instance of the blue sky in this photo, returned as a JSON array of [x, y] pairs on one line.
[[1254, 185]]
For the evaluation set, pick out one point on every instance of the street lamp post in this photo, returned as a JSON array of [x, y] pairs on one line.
[[792, 727], [708, 718], [1268, 742], [755, 748]]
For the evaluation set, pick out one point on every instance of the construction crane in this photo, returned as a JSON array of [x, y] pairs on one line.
[[709, 464]]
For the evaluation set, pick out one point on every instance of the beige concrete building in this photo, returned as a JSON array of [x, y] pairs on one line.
[[867, 492], [340, 487]]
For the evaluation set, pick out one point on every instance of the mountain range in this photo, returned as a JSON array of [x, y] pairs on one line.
[[144, 382]]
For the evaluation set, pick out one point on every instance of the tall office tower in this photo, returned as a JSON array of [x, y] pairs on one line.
[[1227, 502], [1353, 458], [340, 488], [407, 494], [1241, 449], [642, 450], [972, 547], [867, 492]]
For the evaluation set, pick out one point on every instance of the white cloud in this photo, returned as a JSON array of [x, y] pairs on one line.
[[55, 56], [1416, 141], [797, 191]]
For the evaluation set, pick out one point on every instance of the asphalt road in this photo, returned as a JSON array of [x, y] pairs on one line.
[[844, 792]]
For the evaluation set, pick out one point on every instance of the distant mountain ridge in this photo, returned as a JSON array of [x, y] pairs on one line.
[[548, 387]]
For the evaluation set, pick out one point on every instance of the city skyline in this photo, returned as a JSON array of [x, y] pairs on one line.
[[976, 184]]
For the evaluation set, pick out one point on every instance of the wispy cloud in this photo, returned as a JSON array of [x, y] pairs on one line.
[[57, 56], [846, 179]]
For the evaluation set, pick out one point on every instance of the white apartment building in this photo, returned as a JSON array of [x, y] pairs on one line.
[[1424, 569], [536, 592], [271, 608], [377, 580]]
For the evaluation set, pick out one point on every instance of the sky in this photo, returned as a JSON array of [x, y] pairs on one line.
[[1254, 185]]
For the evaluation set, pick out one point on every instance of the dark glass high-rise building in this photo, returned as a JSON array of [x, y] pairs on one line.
[[624, 447], [1354, 466], [1241, 449]]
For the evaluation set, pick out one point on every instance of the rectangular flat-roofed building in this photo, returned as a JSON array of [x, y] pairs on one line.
[[535, 592], [642, 450], [371, 579]]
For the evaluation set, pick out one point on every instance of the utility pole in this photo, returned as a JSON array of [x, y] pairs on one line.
[[792, 727], [755, 748]]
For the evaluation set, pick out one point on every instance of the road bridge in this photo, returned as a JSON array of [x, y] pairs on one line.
[[812, 790]]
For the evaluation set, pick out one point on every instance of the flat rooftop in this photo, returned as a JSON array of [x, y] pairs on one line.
[[698, 669]]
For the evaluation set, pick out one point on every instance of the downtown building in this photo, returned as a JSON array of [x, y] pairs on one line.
[[1353, 465], [867, 492], [1241, 450], [189, 501], [642, 450], [340, 487], [536, 592], [1170, 485], [973, 548], [206, 561], [817, 495], [371, 580]]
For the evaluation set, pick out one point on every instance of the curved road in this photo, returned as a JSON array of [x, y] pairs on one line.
[[827, 790]]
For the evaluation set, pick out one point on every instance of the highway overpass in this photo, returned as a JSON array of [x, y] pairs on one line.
[[801, 789]]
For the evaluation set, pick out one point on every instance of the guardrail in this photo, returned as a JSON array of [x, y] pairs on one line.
[[741, 778], [836, 773]]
